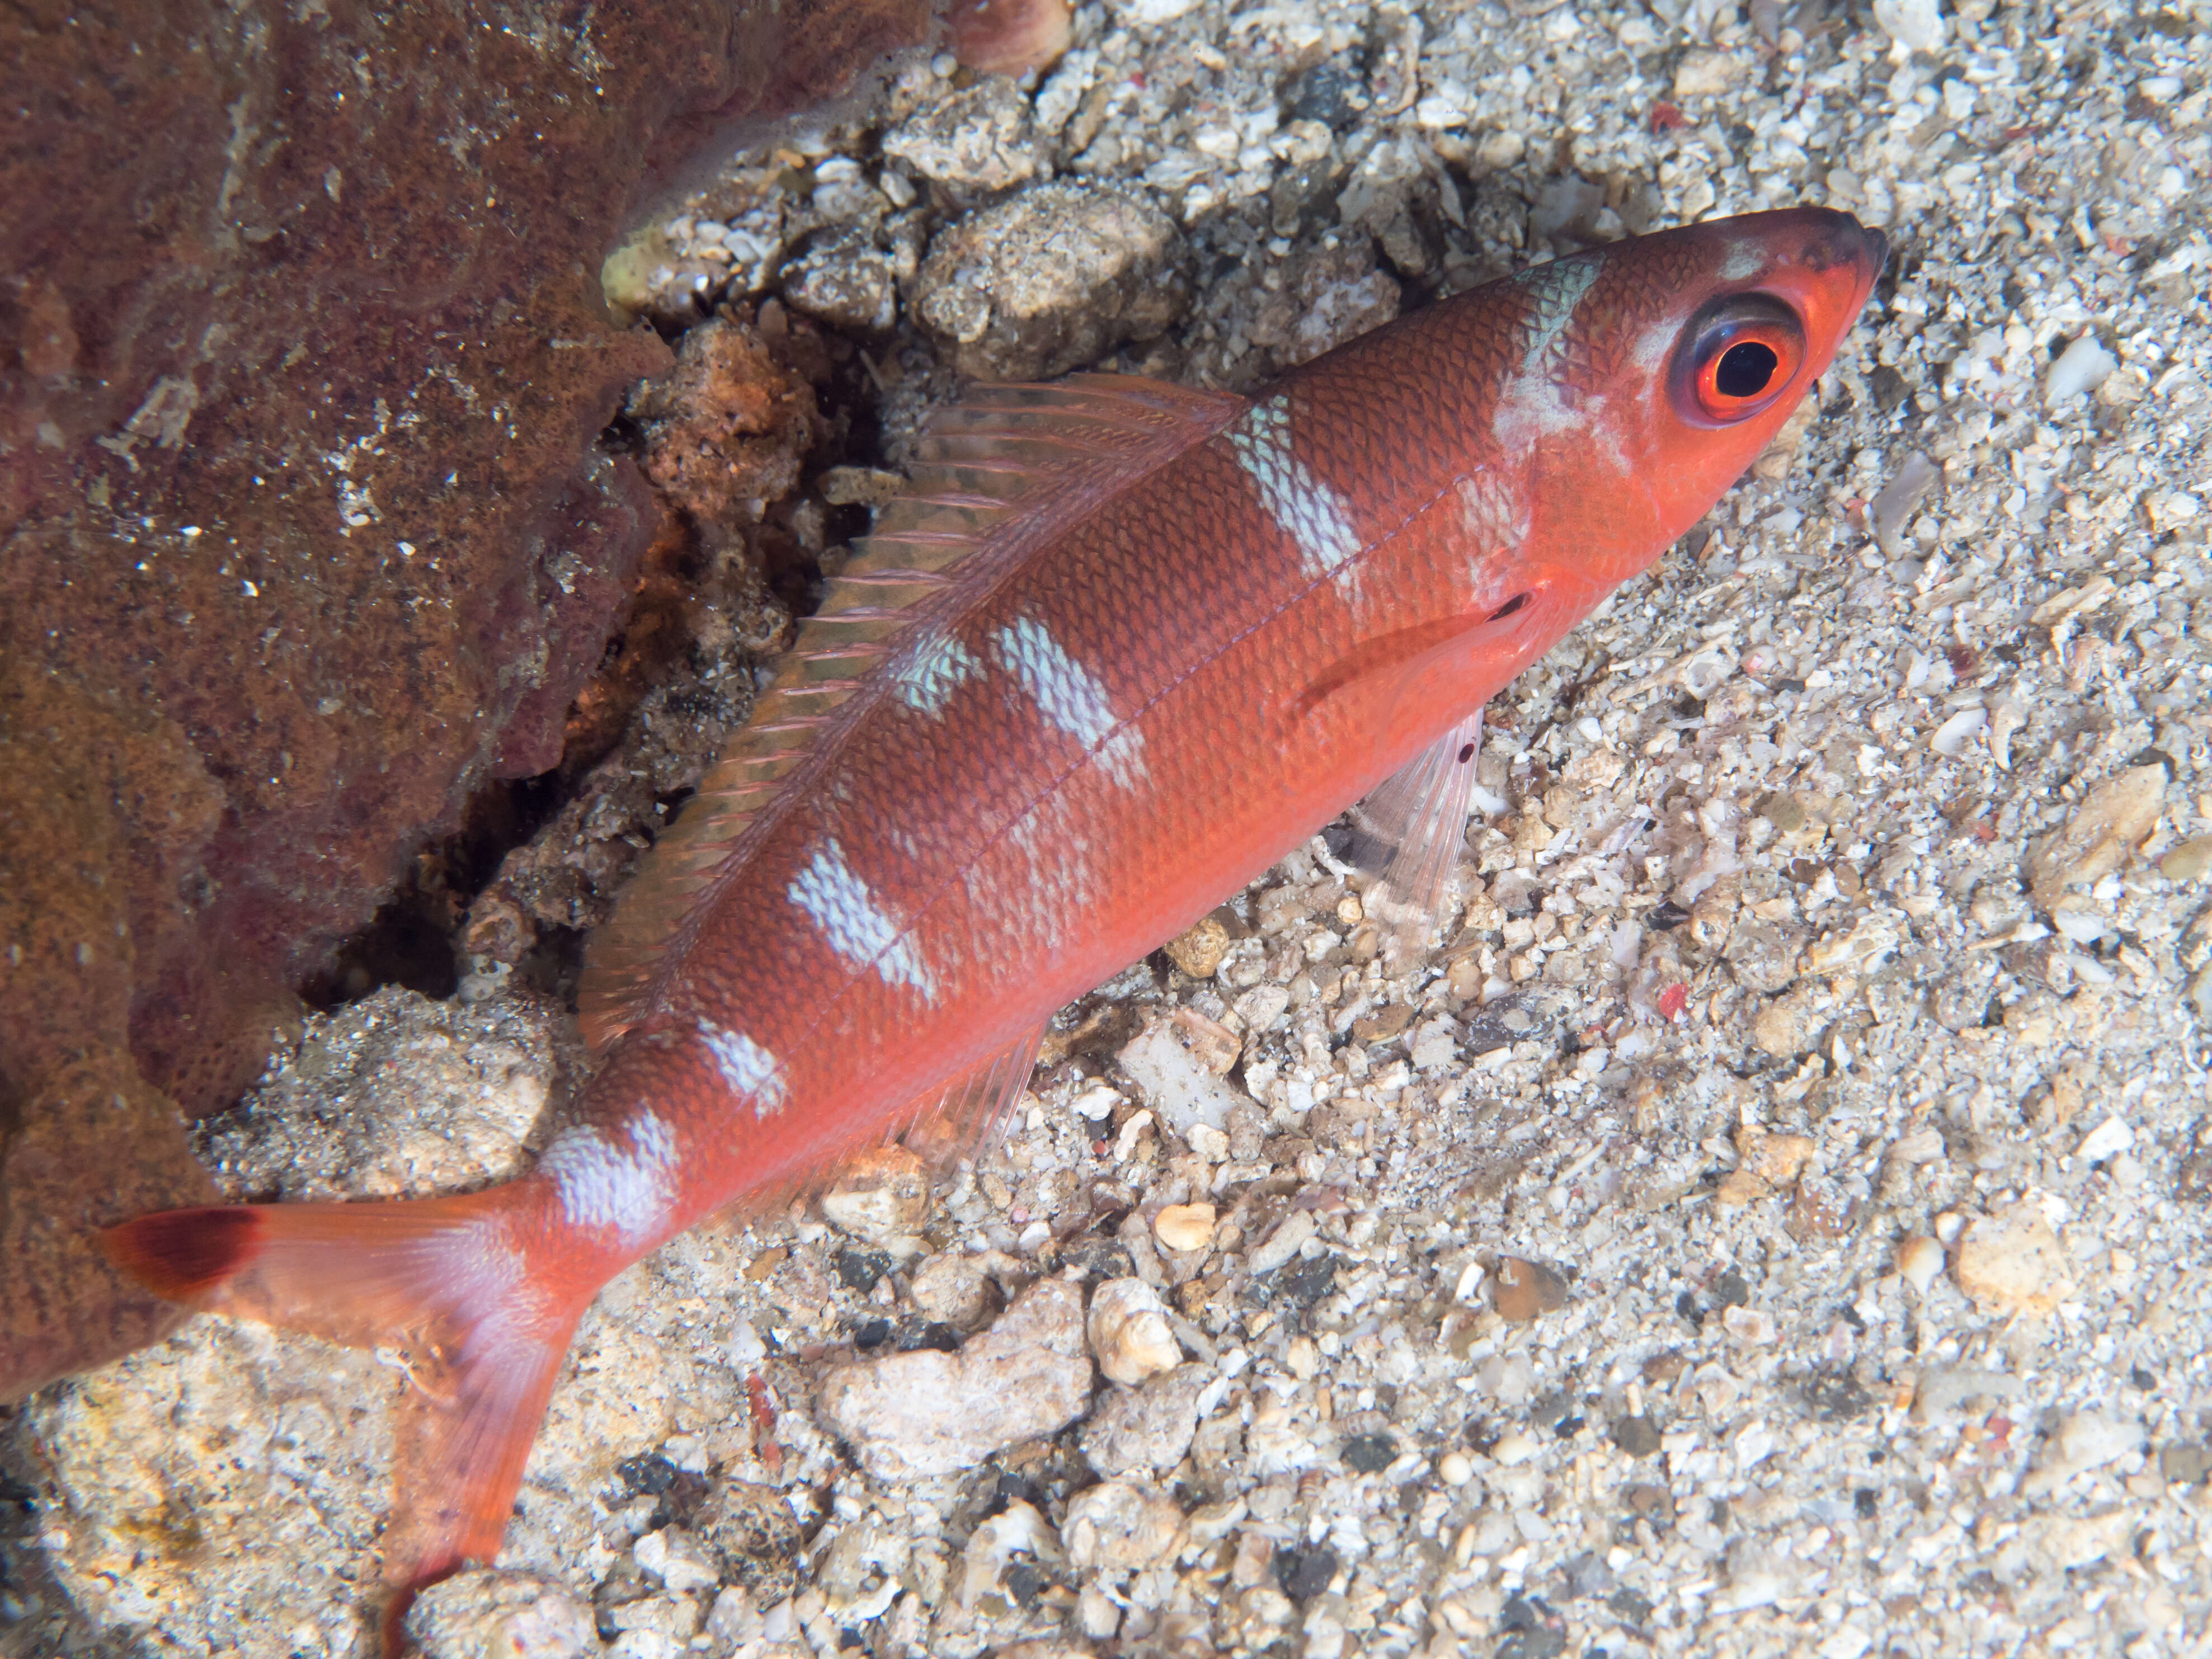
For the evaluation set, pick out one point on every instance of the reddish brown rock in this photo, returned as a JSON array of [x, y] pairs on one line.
[[1009, 37], [304, 532]]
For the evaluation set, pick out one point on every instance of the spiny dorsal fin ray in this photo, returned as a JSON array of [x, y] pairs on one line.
[[997, 474]]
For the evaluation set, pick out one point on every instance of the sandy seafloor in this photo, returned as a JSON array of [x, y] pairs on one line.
[[1842, 884]]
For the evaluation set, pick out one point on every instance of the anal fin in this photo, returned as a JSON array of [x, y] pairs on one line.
[[968, 1114]]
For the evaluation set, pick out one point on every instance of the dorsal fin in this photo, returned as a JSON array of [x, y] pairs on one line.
[[996, 476]]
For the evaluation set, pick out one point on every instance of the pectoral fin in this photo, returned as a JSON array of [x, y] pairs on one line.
[[1408, 833]]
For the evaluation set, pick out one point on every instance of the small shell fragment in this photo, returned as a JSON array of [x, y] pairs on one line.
[[1954, 734], [1185, 1226], [1919, 1259], [1129, 1331], [1889, 511]]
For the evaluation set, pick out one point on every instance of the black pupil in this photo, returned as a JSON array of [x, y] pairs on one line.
[[1747, 369]]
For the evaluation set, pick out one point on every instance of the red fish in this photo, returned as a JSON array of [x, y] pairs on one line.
[[1125, 646]]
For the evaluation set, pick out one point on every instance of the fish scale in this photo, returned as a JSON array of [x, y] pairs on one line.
[[1123, 647]]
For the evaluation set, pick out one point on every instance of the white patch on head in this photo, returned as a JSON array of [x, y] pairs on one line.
[[1655, 345], [1315, 517], [938, 666], [1744, 259], [1071, 698], [749, 1069], [1554, 290], [1531, 406], [854, 926], [604, 1187], [1531, 410]]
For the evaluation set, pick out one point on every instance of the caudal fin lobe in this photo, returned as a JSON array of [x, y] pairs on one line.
[[446, 1281]]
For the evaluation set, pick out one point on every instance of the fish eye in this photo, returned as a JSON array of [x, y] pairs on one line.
[[1738, 355]]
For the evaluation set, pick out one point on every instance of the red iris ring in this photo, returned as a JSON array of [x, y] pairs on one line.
[[1739, 371], [1737, 358]]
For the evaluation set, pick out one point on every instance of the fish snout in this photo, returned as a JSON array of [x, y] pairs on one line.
[[1838, 239]]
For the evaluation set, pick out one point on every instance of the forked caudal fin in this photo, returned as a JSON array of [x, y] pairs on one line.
[[445, 1280]]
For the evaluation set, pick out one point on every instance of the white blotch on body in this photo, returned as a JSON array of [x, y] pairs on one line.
[[1071, 698], [938, 666], [1317, 520], [1494, 517], [748, 1068], [1052, 882], [855, 924], [604, 1186]]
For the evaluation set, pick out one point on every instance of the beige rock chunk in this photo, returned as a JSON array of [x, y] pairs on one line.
[[1130, 1332], [1146, 1429], [1919, 1259], [1120, 1526], [881, 1199], [2013, 1262], [1522, 1289], [2189, 861], [1198, 949], [521, 1614], [1051, 279], [1701, 74], [2112, 820], [914, 1414], [751, 1532], [960, 1288], [1016, 1530], [1776, 1159], [1740, 1187], [977, 143]]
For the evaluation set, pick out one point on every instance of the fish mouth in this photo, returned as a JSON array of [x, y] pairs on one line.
[[1875, 251], [1844, 242]]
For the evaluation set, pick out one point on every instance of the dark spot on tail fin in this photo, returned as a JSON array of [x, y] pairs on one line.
[[183, 1254]]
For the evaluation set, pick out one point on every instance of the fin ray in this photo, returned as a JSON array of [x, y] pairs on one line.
[[1408, 833], [967, 1115]]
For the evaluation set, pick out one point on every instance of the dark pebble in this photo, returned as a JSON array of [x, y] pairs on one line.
[[1304, 1574], [1371, 1454], [1637, 1435], [859, 1270], [646, 1476], [1628, 1607], [1835, 1396]]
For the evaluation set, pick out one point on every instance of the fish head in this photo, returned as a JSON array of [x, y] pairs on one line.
[[1668, 363]]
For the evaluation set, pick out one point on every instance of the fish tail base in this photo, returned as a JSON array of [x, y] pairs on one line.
[[186, 1255]]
